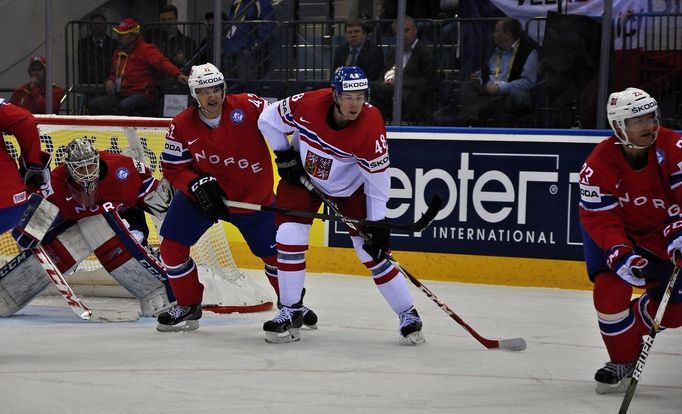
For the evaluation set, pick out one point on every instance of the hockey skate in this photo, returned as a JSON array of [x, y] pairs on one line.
[[411, 327], [179, 318], [613, 377], [284, 327], [309, 316]]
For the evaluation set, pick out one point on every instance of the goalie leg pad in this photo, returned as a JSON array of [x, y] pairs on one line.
[[21, 280], [35, 221], [128, 262]]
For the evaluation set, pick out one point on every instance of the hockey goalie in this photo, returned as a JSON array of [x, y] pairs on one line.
[[97, 207]]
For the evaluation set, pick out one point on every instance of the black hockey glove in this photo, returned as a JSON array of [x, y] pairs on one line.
[[378, 242], [289, 165], [209, 196]]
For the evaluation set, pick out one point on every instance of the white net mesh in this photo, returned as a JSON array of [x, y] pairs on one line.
[[226, 288]]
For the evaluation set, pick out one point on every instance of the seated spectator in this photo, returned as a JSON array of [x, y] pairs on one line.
[[31, 95], [94, 51], [175, 46], [502, 87], [207, 54], [246, 46], [419, 75], [359, 52], [134, 77]]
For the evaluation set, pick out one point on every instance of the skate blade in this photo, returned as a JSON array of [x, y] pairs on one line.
[[621, 386], [191, 325], [415, 338], [309, 327], [292, 335]]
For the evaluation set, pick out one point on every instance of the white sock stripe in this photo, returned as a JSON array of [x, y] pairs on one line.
[[179, 271]]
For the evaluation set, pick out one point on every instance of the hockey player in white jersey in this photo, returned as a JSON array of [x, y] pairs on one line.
[[339, 144]]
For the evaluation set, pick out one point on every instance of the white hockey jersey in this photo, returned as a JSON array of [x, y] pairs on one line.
[[338, 161]]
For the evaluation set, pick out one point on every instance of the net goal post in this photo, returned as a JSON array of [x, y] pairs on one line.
[[227, 289]]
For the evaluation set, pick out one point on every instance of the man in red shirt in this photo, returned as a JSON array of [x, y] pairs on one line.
[[214, 150], [134, 77], [32, 94], [630, 197], [13, 193]]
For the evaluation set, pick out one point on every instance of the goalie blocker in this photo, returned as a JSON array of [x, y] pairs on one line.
[[105, 235]]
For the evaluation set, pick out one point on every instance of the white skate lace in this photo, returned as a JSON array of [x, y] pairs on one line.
[[620, 370], [177, 311], [285, 314], [408, 317]]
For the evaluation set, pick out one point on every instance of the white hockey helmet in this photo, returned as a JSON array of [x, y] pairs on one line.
[[630, 103], [203, 76]]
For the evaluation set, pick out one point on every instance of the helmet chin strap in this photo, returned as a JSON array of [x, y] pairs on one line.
[[626, 143]]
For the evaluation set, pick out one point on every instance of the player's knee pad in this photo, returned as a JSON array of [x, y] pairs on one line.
[[359, 251], [35, 221], [611, 295], [128, 262], [173, 253], [293, 234]]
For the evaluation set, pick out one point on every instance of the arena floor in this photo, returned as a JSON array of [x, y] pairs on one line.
[[52, 362]]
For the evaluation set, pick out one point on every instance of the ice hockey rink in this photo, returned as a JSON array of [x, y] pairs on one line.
[[52, 362]]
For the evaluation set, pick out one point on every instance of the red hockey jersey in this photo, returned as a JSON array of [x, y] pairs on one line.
[[20, 123], [235, 152], [621, 205], [125, 184]]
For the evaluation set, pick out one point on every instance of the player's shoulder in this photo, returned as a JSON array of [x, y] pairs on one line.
[[186, 115], [372, 115], [604, 150]]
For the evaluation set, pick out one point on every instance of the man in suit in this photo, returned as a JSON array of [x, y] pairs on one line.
[[502, 87], [359, 52], [95, 51], [419, 76]]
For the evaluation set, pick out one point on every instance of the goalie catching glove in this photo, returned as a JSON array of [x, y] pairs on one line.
[[209, 196], [289, 165], [629, 266], [378, 242]]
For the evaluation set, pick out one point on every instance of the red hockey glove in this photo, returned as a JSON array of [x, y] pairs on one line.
[[673, 237], [629, 266]]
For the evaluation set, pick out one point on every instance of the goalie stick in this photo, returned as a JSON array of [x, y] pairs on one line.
[[512, 344], [648, 343], [417, 226], [76, 303]]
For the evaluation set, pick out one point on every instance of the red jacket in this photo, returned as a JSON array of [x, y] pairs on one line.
[[138, 68], [20, 123], [33, 98]]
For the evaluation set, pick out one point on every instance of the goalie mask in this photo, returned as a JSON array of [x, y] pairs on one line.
[[631, 103], [82, 163], [204, 76]]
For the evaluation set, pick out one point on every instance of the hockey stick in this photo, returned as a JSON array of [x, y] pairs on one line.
[[417, 226], [76, 303], [512, 344], [648, 343]]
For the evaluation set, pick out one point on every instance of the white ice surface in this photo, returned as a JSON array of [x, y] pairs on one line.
[[52, 362]]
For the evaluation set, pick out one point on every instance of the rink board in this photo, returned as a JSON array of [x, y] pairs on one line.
[[510, 206]]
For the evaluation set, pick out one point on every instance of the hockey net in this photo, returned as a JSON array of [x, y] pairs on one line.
[[226, 289]]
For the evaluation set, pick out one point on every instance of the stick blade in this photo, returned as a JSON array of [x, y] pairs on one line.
[[512, 344], [430, 213], [113, 316]]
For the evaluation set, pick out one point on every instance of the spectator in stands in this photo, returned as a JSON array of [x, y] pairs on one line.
[[358, 51], [246, 46], [31, 95], [171, 41], [133, 80], [207, 54], [419, 75], [95, 51], [502, 87]]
